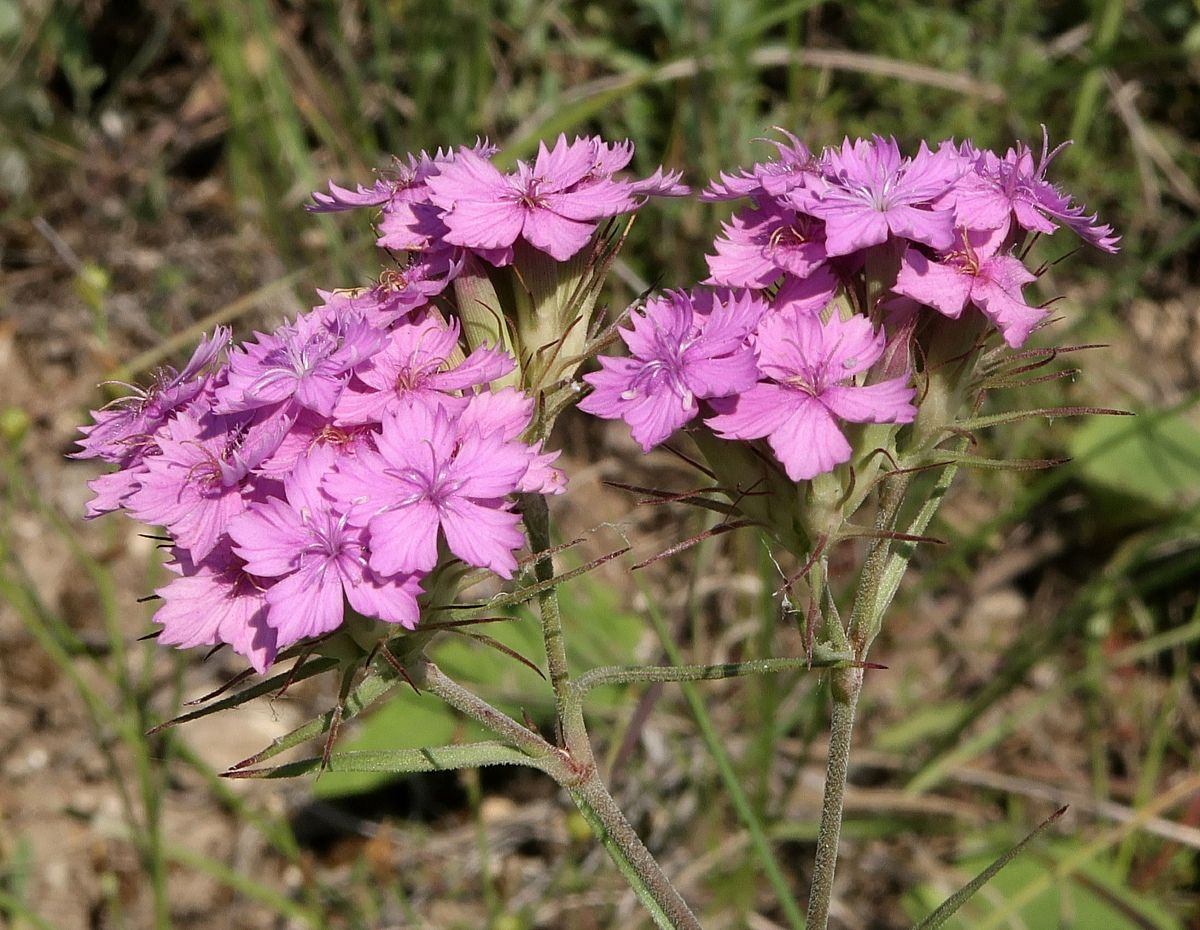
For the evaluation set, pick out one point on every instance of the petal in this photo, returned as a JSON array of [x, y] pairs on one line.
[[306, 603], [808, 442], [556, 235], [943, 287], [935, 228], [853, 226], [755, 413], [886, 402], [393, 600], [269, 537], [404, 540], [1013, 317], [482, 536]]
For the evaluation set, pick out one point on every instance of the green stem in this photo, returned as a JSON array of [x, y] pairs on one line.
[[631, 857], [574, 766], [434, 680], [576, 771], [729, 776], [846, 686], [537, 525]]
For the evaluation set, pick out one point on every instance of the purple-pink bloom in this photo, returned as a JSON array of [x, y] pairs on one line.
[[429, 475], [795, 167], [808, 295], [308, 361], [319, 557], [869, 192], [122, 429], [418, 362], [216, 601], [996, 190], [508, 413], [757, 246], [198, 482], [553, 204], [308, 431], [683, 350], [811, 367], [974, 274]]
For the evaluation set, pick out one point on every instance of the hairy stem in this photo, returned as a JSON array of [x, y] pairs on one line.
[[537, 525], [575, 769], [632, 858], [846, 686], [434, 680]]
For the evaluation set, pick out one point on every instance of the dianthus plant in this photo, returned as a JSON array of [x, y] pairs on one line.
[[331, 490]]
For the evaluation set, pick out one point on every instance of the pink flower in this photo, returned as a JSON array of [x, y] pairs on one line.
[[757, 246], [997, 190], [554, 204], [307, 361], [216, 601], [795, 167], [869, 192], [307, 431], [418, 362], [808, 295], [508, 413], [200, 479], [811, 366], [973, 274], [429, 475], [122, 430], [319, 558], [683, 349]]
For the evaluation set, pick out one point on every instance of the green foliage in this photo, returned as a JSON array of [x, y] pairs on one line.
[[600, 632], [1093, 896], [1143, 467]]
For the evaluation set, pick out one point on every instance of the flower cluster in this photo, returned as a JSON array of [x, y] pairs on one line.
[[814, 280], [318, 465], [441, 208]]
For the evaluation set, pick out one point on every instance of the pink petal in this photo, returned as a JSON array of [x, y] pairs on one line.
[[556, 235], [482, 536], [306, 603], [753, 414], [943, 287], [269, 537], [404, 540], [886, 402], [808, 442]]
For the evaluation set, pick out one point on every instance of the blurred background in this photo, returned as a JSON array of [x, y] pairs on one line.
[[154, 157]]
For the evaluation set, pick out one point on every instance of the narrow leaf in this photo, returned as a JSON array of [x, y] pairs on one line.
[[964, 894], [1015, 416], [369, 690], [308, 670], [493, 643], [974, 461], [717, 530], [398, 761]]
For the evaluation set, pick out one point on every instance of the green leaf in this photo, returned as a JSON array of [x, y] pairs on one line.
[[374, 686], [378, 766], [274, 683], [1047, 413], [1094, 895], [398, 729], [939, 917], [1154, 460]]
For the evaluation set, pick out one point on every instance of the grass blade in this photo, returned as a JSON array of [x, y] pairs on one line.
[[964, 894]]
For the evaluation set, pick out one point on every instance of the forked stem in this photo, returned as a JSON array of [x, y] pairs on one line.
[[576, 770]]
